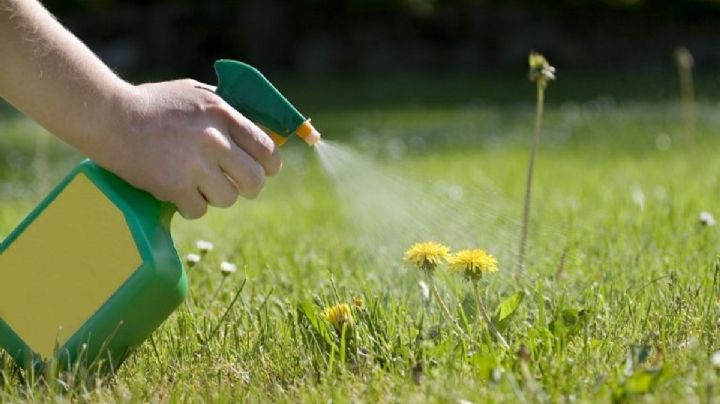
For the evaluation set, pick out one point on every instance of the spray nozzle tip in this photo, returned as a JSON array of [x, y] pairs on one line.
[[308, 133], [313, 138]]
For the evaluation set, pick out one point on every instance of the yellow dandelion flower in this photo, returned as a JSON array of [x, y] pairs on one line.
[[426, 255], [339, 315], [473, 263]]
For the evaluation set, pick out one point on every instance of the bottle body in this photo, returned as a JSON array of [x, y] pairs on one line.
[[89, 274]]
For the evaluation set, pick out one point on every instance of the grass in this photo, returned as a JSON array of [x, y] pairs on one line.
[[619, 299]]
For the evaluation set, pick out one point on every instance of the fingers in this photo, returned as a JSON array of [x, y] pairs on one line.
[[254, 141], [227, 172], [218, 189], [192, 205], [215, 189], [244, 171], [228, 157], [247, 135]]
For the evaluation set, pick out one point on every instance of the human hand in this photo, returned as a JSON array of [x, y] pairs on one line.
[[178, 140], [182, 143]]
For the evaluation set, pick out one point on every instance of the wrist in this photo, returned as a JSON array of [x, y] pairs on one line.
[[117, 121]]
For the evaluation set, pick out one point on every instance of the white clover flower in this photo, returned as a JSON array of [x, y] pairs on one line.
[[638, 196], [192, 259], [227, 268], [715, 360], [707, 219], [204, 246]]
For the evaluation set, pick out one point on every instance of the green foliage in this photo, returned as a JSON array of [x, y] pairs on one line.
[[631, 314], [506, 309]]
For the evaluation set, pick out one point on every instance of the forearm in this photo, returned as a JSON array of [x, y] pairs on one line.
[[48, 74], [174, 139]]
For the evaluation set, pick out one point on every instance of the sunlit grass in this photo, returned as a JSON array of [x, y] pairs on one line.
[[619, 296]]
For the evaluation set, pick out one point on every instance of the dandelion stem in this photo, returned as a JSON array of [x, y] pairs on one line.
[[486, 317], [689, 104], [444, 308], [529, 179], [684, 61]]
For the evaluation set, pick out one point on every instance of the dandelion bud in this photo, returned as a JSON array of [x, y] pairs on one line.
[[523, 353], [359, 303], [540, 70], [227, 268], [683, 57], [192, 259], [204, 246]]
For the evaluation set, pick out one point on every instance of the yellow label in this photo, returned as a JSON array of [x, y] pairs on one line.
[[64, 266]]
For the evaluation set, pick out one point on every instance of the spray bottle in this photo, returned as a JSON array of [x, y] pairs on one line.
[[92, 271]]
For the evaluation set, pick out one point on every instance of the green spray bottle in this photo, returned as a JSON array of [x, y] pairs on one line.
[[92, 271]]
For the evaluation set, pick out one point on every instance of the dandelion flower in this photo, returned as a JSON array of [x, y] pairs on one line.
[[339, 315], [540, 70], [227, 268], [473, 263], [426, 255], [192, 259], [204, 246]]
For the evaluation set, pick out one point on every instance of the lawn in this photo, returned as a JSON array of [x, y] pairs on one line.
[[618, 298]]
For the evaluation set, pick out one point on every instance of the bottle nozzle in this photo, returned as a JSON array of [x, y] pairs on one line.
[[308, 133]]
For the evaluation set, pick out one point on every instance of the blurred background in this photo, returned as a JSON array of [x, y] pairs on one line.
[[156, 39], [397, 79]]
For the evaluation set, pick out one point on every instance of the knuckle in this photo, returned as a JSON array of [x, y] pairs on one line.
[[213, 139], [213, 103], [216, 106], [210, 135], [190, 82]]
